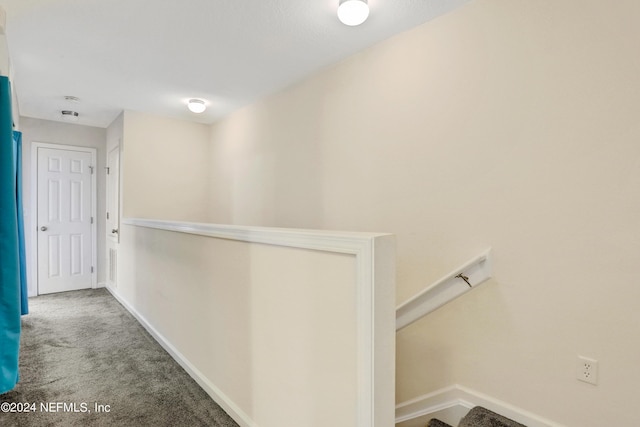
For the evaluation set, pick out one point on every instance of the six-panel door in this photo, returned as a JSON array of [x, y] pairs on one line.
[[64, 220]]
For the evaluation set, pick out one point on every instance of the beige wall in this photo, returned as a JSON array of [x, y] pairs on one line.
[[510, 124], [164, 168], [37, 130]]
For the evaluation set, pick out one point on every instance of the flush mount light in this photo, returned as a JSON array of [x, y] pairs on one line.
[[196, 106], [353, 12], [70, 116]]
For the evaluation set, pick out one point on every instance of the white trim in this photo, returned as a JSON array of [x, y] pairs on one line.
[[33, 209], [331, 241], [216, 394], [430, 403], [457, 397], [6, 70], [449, 287], [375, 263], [3, 21]]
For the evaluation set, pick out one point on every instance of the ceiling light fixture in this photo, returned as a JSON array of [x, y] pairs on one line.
[[196, 106], [70, 116], [353, 12]]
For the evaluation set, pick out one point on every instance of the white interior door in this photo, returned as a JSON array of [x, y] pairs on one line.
[[65, 244], [113, 215], [113, 194]]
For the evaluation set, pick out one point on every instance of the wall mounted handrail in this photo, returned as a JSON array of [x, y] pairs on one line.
[[459, 281]]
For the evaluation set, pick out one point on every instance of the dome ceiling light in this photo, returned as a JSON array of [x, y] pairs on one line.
[[353, 12], [196, 106]]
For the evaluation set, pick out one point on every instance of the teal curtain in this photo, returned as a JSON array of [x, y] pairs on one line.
[[9, 247], [24, 295]]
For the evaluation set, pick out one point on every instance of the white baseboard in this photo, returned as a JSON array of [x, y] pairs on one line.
[[214, 392], [449, 404], [443, 404]]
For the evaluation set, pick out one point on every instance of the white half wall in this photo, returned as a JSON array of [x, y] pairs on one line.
[[279, 326]]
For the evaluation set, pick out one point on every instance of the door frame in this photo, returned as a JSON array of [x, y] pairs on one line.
[[34, 207], [110, 236]]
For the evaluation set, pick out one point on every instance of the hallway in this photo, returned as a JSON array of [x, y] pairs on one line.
[[85, 361]]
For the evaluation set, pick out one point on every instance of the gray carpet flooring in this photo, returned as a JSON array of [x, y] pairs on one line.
[[83, 349]]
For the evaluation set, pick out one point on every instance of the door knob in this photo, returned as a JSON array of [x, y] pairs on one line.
[[43, 228], [114, 231]]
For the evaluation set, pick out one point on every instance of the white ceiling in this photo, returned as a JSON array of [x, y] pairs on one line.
[[153, 55]]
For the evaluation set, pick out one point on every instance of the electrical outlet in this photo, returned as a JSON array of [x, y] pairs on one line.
[[587, 370]]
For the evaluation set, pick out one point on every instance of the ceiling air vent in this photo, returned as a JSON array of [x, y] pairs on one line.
[[70, 116]]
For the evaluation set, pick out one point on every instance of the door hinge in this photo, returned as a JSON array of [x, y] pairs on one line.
[[107, 215], [92, 269], [91, 169], [91, 220], [108, 169]]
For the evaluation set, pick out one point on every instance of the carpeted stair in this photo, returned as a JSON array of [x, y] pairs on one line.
[[479, 417], [437, 423]]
